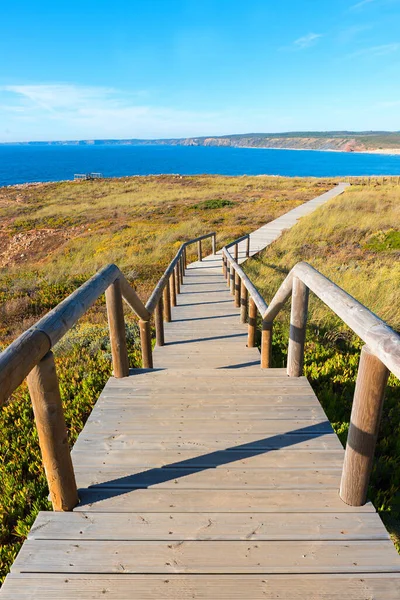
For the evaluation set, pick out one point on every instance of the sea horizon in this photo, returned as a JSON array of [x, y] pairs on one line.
[[44, 163]]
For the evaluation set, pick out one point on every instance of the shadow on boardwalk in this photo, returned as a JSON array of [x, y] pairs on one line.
[[212, 460]]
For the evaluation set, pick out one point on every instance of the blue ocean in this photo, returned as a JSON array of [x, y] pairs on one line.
[[22, 164]]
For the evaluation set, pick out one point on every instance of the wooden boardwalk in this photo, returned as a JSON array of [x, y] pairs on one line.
[[207, 478], [262, 237]]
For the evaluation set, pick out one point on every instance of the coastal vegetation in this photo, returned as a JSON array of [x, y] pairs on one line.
[[342, 141], [52, 238], [355, 241]]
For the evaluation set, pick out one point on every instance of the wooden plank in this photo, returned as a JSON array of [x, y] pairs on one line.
[[276, 399], [55, 556], [217, 479], [116, 423], [221, 413], [286, 459], [138, 375], [223, 441], [363, 586], [207, 526], [225, 501], [173, 385]]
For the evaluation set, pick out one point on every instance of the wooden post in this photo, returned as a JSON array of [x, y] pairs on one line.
[[224, 270], [167, 303], [364, 426], [185, 257], [145, 339], [248, 247], [236, 252], [177, 279], [159, 322], [228, 273], [182, 263], [52, 432], [243, 302], [214, 244], [232, 279], [298, 322], [199, 252], [237, 290], [116, 323], [266, 344], [173, 288], [251, 337]]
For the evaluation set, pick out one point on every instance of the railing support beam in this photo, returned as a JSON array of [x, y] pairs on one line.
[[177, 279], [199, 251], [173, 288], [243, 302], [251, 337], [182, 265], [159, 322], [237, 290], [364, 426], [49, 417], [167, 303], [145, 340], [298, 322], [266, 344], [232, 279], [116, 324]]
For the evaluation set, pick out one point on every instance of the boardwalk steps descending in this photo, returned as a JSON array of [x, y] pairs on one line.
[[208, 478]]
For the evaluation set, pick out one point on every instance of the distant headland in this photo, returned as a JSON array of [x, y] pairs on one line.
[[380, 142]]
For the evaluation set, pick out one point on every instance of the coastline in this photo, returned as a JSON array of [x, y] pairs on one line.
[[380, 151]]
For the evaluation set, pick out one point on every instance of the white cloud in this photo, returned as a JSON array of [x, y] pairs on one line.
[[360, 4], [307, 40], [381, 50], [67, 111]]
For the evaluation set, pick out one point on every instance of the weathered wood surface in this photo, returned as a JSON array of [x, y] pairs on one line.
[[209, 557], [364, 428], [207, 477], [52, 432], [207, 526], [181, 587]]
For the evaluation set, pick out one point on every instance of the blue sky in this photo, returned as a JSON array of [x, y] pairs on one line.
[[176, 68]]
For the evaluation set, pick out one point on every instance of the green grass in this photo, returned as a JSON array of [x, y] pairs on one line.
[[83, 360], [213, 204], [139, 223], [65, 232], [351, 240]]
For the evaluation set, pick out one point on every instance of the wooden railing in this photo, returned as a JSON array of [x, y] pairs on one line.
[[30, 356], [379, 356]]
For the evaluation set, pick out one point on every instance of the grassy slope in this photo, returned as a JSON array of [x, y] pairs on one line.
[[65, 232], [355, 241], [58, 234]]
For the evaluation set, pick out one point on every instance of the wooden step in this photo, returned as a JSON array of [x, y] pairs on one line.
[[357, 586], [208, 557]]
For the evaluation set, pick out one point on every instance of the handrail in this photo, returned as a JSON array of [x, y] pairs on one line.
[[237, 241], [19, 358], [254, 293], [30, 356], [381, 339], [379, 356], [156, 294]]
